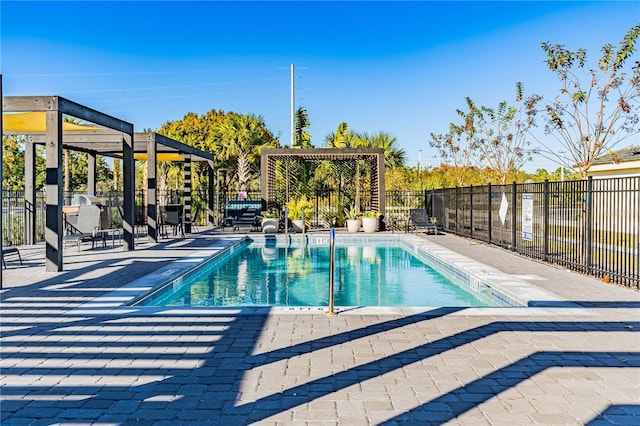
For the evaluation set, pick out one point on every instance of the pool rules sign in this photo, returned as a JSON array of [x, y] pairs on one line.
[[527, 217]]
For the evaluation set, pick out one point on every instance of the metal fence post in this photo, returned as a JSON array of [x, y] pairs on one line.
[[589, 225], [545, 220], [457, 197], [514, 214], [489, 211], [471, 211]]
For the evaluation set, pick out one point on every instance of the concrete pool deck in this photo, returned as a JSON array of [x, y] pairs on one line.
[[66, 359]]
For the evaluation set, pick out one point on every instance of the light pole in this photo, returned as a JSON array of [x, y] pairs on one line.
[[419, 161], [293, 106]]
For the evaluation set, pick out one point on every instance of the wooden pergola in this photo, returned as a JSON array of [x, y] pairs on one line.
[[105, 135], [374, 156]]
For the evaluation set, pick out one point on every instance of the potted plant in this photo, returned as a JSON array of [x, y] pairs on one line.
[[352, 219], [370, 221], [329, 218], [295, 208], [270, 222]]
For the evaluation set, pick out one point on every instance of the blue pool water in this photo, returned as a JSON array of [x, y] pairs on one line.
[[365, 275]]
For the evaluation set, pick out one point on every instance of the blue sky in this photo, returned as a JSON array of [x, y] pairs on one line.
[[399, 67]]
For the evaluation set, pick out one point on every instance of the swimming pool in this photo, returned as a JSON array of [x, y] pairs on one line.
[[274, 273]]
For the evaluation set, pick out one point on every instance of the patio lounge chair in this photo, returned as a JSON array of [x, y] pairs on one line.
[[419, 220], [247, 218], [10, 251], [87, 227]]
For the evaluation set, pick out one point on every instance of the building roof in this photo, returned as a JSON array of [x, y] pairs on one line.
[[621, 163], [631, 153]]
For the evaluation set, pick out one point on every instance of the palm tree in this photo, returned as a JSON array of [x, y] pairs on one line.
[[394, 156], [301, 137], [242, 138], [341, 138]]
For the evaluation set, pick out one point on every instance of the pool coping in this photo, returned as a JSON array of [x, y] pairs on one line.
[[507, 286]]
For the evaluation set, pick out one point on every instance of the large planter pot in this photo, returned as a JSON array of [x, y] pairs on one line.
[[270, 225], [369, 224], [298, 225], [353, 225]]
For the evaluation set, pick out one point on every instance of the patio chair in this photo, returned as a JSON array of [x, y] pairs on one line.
[[87, 227], [420, 220], [10, 251], [140, 222], [172, 216], [189, 224]]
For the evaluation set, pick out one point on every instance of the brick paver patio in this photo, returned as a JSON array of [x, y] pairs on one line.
[[68, 363]]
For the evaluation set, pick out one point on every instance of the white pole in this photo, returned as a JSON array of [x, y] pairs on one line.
[[293, 105], [419, 161]]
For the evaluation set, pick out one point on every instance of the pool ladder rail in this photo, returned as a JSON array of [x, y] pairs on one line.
[[332, 249]]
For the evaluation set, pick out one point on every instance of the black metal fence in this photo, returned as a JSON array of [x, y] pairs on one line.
[[14, 210], [590, 226], [14, 213]]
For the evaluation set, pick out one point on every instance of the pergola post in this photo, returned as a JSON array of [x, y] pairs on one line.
[[152, 200], [211, 191], [380, 189], [187, 187], [30, 193], [128, 172], [53, 229], [91, 173]]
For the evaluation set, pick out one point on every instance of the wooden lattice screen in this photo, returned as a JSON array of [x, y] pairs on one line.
[[333, 177]]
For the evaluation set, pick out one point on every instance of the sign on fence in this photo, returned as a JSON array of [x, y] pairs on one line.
[[504, 207], [527, 217]]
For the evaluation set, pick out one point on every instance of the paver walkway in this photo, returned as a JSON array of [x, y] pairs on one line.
[[137, 366]]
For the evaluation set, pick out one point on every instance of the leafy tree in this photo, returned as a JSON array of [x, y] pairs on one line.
[[117, 185], [500, 135], [14, 172], [597, 107], [540, 175], [12, 163], [301, 137], [193, 130], [399, 179], [235, 139], [458, 151], [79, 169], [242, 138]]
